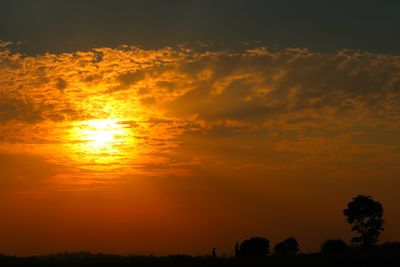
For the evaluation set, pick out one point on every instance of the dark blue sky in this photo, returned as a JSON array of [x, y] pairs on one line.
[[323, 25]]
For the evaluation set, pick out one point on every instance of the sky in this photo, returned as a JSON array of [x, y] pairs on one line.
[[177, 126]]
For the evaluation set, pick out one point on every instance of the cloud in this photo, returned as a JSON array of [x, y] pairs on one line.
[[272, 85], [61, 84], [20, 110], [297, 98], [130, 78], [257, 86], [126, 80]]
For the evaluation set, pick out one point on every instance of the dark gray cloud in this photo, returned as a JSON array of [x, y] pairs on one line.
[[58, 25]]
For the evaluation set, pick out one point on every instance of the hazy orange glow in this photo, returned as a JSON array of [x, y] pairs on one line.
[[138, 151]]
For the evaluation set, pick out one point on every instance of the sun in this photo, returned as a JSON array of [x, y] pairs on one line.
[[102, 134], [101, 137], [101, 144]]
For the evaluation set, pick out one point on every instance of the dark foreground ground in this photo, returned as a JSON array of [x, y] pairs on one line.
[[365, 259]]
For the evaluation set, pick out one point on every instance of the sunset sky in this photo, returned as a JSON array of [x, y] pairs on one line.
[[177, 126]]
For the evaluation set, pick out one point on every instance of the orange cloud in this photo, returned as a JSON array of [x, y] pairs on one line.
[[288, 96]]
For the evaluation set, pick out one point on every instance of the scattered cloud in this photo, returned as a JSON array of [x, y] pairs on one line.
[[306, 104]]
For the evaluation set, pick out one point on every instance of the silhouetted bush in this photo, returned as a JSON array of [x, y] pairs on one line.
[[254, 247], [334, 246], [289, 246]]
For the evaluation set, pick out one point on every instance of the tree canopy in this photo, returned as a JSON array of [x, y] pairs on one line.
[[289, 246], [254, 247], [365, 215]]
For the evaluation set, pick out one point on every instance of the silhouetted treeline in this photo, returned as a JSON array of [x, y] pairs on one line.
[[382, 255]]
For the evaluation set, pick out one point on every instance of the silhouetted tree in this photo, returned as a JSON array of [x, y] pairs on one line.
[[365, 214], [254, 247], [334, 246], [289, 246]]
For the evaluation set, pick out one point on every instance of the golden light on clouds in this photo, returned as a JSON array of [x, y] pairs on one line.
[[129, 111]]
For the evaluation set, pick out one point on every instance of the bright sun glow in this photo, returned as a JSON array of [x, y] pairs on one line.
[[103, 134], [101, 144]]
